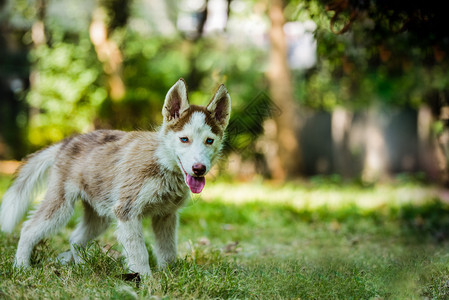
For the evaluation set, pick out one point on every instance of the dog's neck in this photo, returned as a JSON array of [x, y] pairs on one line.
[[163, 152]]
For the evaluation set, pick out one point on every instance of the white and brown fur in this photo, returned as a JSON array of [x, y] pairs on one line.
[[120, 177]]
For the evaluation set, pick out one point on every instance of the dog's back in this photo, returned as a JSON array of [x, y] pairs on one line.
[[66, 162]]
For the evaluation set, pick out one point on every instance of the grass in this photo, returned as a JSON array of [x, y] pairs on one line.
[[314, 240]]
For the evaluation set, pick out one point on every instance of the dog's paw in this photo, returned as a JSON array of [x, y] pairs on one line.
[[163, 263], [144, 271], [65, 257], [21, 264]]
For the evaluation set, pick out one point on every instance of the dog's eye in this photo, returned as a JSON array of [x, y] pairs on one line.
[[209, 141], [184, 139]]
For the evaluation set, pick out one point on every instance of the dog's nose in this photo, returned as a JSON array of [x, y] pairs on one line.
[[199, 169]]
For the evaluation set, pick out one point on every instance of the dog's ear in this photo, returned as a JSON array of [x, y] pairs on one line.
[[176, 101], [220, 106]]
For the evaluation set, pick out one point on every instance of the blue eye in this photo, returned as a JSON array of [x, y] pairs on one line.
[[209, 141], [184, 139]]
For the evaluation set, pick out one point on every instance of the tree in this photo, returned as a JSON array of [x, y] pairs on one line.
[[287, 162], [109, 16], [410, 46]]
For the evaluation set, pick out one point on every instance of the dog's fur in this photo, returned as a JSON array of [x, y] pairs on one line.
[[121, 177]]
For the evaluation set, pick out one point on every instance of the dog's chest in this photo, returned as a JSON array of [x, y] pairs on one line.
[[165, 195]]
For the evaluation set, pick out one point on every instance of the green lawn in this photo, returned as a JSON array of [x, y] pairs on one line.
[[256, 240]]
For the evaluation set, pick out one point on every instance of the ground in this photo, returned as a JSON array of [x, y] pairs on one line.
[[317, 239]]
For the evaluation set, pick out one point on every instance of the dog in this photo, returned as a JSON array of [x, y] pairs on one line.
[[121, 177]]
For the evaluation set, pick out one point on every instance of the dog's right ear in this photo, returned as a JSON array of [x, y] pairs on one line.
[[176, 101]]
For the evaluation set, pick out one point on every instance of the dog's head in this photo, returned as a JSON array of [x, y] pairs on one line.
[[193, 134]]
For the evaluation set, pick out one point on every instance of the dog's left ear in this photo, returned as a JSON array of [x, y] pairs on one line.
[[220, 106], [176, 101]]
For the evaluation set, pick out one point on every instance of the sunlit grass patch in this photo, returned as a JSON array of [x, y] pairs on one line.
[[306, 195]]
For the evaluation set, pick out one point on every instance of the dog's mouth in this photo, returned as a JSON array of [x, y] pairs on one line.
[[195, 183]]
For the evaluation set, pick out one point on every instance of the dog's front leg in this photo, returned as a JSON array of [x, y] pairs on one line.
[[166, 239], [129, 234]]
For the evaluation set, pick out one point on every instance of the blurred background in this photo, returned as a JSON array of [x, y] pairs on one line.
[[340, 89]]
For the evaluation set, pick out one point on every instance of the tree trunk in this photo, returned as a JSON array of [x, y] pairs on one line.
[[428, 147], [341, 130], [376, 157], [443, 143], [287, 163], [108, 52], [39, 39], [38, 29]]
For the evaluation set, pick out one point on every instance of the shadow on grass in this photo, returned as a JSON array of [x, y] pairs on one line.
[[429, 221]]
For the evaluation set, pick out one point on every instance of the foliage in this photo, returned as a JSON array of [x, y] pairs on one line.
[[153, 64], [67, 90], [372, 62]]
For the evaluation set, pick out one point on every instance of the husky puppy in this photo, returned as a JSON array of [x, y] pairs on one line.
[[121, 177]]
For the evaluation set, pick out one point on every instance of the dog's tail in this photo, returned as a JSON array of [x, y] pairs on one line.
[[32, 175]]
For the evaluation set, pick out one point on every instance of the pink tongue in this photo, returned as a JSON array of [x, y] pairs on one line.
[[196, 184]]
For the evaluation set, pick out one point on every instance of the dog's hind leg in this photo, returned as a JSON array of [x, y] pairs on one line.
[[91, 226], [54, 212]]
